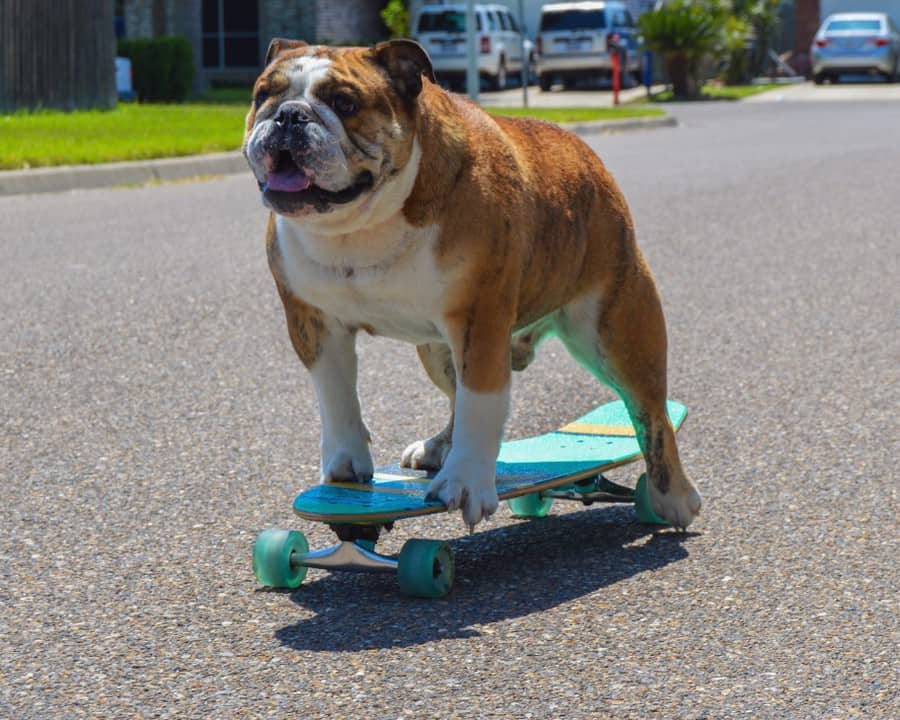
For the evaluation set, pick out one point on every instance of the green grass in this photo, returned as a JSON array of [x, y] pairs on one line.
[[141, 132], [577, 114], [130, 132], [719, 92]]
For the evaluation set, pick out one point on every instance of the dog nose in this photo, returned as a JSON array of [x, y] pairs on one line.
[[292, 114]]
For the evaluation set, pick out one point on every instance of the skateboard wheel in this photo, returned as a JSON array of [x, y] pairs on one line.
[[642, 505], [272, 558], [530, 506], [426, 568]]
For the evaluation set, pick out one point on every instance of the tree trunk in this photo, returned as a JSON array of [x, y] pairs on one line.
[[678, 68], [57, 54]]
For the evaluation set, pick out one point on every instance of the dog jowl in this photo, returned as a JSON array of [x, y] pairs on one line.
[[404, 211]]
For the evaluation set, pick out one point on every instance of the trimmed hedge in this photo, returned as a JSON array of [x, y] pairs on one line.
[[162, 69]]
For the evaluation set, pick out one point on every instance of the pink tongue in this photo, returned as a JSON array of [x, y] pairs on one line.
[[288, 181]]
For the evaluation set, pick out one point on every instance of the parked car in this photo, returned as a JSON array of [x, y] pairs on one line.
[[856, 43], [577, 39], [441, 30]]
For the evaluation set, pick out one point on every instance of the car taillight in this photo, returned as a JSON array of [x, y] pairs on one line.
[[539, 45], [485, 45], [821, 43], [881, 42]]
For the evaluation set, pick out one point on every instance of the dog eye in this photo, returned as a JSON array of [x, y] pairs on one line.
[[343, 104], [260, 98]]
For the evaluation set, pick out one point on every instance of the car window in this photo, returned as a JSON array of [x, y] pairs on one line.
[[629, 21], [491, 21], [573, 20], [502, 18], [451, 21], [860, 25], [513, 25]]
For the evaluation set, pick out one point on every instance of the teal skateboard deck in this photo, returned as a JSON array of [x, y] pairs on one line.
[[594, 443], [531, 473]]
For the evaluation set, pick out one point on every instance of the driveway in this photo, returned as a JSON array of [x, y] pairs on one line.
[[849, 91]]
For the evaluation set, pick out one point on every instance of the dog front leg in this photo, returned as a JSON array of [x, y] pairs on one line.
[[481, 356], [328, 350], [345, 439]]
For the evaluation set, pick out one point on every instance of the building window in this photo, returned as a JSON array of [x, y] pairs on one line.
[[230, 34]]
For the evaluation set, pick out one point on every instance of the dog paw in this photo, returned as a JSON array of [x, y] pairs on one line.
[[470, 489], [426, 454], [679, 506], [348, 466]]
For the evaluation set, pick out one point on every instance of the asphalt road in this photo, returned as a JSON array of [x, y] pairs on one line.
[[154, 419]]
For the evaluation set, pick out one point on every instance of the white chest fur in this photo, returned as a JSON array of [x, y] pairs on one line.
[[384, 279]]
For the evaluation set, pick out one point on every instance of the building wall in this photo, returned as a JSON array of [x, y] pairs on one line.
[[286, 19], [349, 22]]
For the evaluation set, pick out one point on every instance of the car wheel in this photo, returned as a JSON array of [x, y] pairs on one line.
[[818, 78], [835, 79], [545, 80]]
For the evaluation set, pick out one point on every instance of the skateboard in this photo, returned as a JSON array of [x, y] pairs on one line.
[[566, 464]]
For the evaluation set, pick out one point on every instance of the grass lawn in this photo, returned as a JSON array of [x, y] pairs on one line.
[[719, 92], [140, 132]]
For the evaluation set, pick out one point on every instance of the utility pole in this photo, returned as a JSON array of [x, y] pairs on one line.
[[472, 51], [525, 59]]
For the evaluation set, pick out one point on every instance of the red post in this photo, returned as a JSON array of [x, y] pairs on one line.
[[616, 76]]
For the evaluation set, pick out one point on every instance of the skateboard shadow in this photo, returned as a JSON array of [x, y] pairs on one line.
[[501, 574]]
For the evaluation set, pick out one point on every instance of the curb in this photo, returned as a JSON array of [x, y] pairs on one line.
[[615, 126], [139, 172]]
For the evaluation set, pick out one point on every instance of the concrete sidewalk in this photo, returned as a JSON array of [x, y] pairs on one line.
[[82, 177]]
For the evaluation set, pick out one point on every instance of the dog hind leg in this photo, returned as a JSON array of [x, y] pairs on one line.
[[437, 359], [621, 340]]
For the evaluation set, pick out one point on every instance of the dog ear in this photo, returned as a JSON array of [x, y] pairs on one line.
[[279, 45], [406, 61]]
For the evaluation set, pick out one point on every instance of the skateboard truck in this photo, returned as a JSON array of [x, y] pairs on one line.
[[424, 568]]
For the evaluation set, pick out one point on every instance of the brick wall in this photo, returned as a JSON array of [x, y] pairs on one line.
[[286, 19], [342, 22]]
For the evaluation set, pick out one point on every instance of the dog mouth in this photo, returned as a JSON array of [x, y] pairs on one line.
[[287, 181]]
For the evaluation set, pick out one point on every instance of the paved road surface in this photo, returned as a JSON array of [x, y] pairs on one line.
[[154, 420]]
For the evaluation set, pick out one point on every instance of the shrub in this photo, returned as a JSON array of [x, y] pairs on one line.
[[396, 16], [685, 34], [162, 69]]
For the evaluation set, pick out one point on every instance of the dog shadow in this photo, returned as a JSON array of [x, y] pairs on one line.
[[501, 574]]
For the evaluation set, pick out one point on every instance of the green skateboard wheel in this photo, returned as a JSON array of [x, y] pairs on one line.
[[426, 568], [642, 505], [530, 506], [272, 558]]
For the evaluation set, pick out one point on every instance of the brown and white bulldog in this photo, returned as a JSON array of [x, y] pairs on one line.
[[405, 211]]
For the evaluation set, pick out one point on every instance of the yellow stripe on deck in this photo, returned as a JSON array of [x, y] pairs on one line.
[[381, 489], [407, 478], [591, 429]]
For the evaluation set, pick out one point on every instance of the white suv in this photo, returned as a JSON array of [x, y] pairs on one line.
[[441, 30], [575, 39]]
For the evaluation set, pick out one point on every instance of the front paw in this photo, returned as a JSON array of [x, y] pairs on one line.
[[467, 486], [347, 465]]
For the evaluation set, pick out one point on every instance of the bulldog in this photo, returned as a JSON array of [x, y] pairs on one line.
[[401, 210]]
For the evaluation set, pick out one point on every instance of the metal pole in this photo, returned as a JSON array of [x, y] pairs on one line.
[[525, 63], [472, 45]]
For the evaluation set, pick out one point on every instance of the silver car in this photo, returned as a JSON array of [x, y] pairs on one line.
[[857, 43]]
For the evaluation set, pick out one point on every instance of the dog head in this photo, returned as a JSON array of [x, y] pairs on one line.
[[330, 128]]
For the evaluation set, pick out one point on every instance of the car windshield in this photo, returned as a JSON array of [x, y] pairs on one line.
[[854, 25], [451, 21], [573, 20]]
